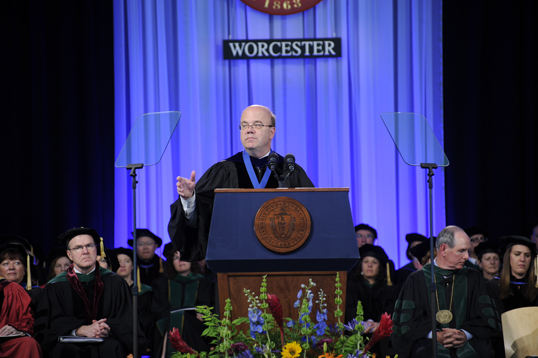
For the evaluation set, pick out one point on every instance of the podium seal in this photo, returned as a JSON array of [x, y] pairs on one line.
[[282, 225]]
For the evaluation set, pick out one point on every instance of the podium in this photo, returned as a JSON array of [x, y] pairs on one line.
[[240, 259]]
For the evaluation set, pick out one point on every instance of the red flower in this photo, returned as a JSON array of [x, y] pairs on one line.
[[178, 343], [383, 331], [276, 310]]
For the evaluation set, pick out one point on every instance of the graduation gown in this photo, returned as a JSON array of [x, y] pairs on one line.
[[149, 270], [230, 173], [403, 272], [517, 299], [376, 299], [177, 293], [145, 316], [61, 310], [15, 311], [472, 307]]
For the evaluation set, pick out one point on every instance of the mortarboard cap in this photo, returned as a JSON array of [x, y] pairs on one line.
[[486, 247], [374, 251], [146, 233], [410, 238], [366, 227]]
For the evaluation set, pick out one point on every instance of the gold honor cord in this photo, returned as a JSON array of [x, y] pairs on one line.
[[28, 274], [389, 281], [444, 316]]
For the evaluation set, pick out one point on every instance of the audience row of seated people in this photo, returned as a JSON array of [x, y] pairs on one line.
[[79, 298], [508, 285], [88, 294]]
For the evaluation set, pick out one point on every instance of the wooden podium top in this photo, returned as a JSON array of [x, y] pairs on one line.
[[276, 190]]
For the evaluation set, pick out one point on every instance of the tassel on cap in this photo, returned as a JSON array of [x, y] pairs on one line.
[[28, 274], [138, 282], [103, 255], [161, 264], [389, 281]]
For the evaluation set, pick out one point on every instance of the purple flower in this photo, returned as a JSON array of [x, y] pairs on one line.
[[334, 330], [238, 348], [352, 325], [321, 342], [245, 354]]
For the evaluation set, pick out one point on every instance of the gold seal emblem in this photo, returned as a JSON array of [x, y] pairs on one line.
[[282, 224], [444, 316]]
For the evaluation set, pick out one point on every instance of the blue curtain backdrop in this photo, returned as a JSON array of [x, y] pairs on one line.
[[168, 56]]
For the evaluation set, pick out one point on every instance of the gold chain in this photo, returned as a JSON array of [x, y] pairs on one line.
[[449, 318]]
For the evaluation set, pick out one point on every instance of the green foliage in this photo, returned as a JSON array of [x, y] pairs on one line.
[[225, 333]]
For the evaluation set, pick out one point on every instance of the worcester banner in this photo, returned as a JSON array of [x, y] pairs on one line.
[[284, 48]]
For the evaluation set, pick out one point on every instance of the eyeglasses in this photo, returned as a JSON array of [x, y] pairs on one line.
[[474, 240], [366, 236], [258, 126], [81, 247], [140, 244]]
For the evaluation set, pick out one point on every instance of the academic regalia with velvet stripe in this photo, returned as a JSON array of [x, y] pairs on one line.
[[472, 307], [61, 310], [178, 293], [230, 173]]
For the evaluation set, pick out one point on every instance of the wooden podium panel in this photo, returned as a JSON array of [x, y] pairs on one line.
[[285, 285]]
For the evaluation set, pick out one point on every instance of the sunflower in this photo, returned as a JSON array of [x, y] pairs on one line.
[[291, 350]]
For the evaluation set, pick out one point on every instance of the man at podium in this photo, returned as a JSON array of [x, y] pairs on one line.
[[191, 213]]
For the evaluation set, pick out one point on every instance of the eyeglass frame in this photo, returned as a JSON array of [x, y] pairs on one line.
[[79, 248], [366, 236], [480, 239], [142, 244], [245, 126]]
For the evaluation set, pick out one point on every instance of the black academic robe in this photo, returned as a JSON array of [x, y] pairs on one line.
[[61, 310], [517, 299], [149, 270], [403, 273], [145, 316], [230, 173], [178, 293], [376, 299], [472, 307]]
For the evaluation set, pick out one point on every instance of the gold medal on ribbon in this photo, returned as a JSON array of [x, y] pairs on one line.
[[444, 316]]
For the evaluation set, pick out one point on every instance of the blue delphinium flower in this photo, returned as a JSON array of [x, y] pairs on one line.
[[311, 339], [320, 327], [256, 321], [290, 324], [357, 354]]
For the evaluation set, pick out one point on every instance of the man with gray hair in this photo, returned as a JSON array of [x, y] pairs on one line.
[[465, 314]]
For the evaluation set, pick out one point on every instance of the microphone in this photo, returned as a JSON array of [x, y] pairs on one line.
[[289, 159], [272, 160]]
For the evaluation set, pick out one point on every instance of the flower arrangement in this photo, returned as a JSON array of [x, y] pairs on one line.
[[269, 337]]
